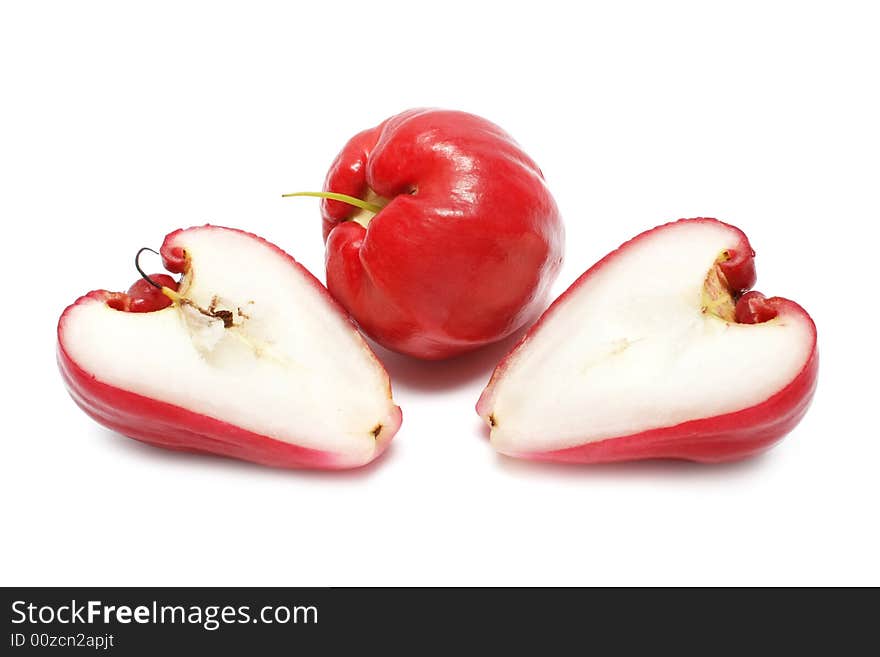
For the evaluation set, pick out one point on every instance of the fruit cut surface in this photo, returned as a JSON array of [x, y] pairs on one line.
[[646, 341], [257, 357]]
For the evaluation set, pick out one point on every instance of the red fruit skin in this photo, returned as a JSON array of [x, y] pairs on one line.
[[465, 250], [728, 437], [143, 297], [173, 427]]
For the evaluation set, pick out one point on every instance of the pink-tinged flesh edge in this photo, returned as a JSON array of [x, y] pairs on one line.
[[172, 427], [728, 437]]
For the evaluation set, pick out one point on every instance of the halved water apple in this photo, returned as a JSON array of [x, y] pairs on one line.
[[247, 356], [657, 351]]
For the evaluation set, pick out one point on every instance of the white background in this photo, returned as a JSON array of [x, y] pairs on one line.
[[122, 122]]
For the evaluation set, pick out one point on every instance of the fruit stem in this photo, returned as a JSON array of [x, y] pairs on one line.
[[137, 265], [167, 291], [345, 198]]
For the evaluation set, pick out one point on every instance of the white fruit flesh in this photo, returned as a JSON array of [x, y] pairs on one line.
[[291, 367], [631, 349]]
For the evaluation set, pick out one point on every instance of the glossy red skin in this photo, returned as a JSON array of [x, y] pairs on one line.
[[721, 438], [173, 427], [142, 297], [465, 251]]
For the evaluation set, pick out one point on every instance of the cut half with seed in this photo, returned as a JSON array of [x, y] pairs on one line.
[[246, 356]]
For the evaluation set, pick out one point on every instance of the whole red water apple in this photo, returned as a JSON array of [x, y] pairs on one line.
[[441, 234]]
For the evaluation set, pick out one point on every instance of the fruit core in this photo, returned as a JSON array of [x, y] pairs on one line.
[[717, 298]]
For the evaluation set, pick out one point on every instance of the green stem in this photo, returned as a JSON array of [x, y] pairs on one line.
[[345, 198]]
